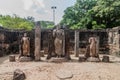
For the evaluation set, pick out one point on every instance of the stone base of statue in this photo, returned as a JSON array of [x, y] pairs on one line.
[[93, 59], [25, 59], [57, 60]]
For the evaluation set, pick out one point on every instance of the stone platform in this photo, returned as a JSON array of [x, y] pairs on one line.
[[25, 59], [93, 59], [57, 60]]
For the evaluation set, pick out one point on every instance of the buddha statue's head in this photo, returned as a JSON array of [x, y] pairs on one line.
[[25, 34]]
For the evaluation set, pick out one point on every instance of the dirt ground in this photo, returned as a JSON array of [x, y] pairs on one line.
[[47, 71]]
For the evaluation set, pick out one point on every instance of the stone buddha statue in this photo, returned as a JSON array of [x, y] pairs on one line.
[[25, 45], [92, 50], [93, 42], [58, 35]]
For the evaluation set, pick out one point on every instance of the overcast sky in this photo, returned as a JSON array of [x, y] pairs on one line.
[[40, 9]]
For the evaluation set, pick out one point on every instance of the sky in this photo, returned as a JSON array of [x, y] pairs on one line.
[[39, 9]]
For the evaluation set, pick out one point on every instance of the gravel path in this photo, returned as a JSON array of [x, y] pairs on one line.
[[47, 70], [2, 59]]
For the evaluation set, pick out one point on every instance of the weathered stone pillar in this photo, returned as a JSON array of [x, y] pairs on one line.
[[97, 45], [110, 37], [110, 41], [64, 43], [37, 41], [76, 47]]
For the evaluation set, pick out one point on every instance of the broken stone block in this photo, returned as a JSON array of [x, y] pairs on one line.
[[25, 59], [19, 75], [105, 59], [93, 59], [64, 74], [12, 58]]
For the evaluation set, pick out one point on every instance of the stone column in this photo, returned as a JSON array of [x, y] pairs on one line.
[[64, 42], [110, 41], [76, 47], [119, 40], [20, 46], [37, 41], [110, 37], [97, 45]]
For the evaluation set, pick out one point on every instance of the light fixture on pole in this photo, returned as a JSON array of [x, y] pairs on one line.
[[53, 7]]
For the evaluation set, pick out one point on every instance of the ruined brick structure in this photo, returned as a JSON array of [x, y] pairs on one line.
[[114, 41], [109, 40]]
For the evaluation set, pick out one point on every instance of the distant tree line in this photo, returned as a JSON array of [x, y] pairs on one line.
[[92, 14], [16, 22]]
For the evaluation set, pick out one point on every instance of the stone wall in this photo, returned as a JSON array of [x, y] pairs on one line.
[[108, 40], [83, 37], [9, 40]]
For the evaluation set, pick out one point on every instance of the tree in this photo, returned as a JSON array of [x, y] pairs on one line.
[[106, 12], [46, 24], [15, 22], [76, 16], [69, 17], [93, 14]]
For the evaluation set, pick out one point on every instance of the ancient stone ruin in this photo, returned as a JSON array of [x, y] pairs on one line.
[[60, 42], [92, 50]]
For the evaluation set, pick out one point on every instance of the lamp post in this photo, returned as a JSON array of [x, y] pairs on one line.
[[53, 7]]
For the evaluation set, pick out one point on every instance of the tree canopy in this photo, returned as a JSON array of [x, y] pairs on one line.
[[47, 24], [16, 22], [92, 14]]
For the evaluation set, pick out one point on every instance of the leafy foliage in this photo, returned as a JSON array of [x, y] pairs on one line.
[[93, 14], [47, 24], [107, 12], [15, 22]]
